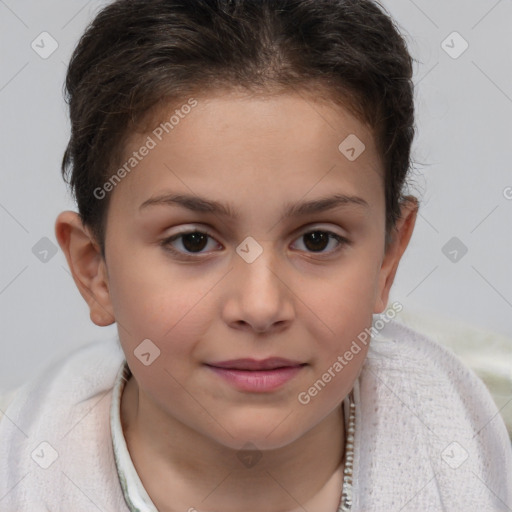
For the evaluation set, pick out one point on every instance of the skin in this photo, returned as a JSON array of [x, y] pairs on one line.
[[184, 425]]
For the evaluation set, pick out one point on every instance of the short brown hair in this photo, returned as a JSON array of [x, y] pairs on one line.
[[139, 54]]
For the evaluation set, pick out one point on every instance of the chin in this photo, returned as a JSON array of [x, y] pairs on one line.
[[254, 437]]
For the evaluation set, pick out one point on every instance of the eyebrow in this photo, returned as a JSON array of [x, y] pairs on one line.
[[203, 205]]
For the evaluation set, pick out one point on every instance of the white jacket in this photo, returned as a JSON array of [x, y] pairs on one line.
[[428, 434]]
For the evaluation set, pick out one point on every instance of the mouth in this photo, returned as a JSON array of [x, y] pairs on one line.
[[248, 364], [254, 376]]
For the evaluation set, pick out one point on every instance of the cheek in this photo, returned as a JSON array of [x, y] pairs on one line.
[[151, 302], [344, 300], [174, 323]]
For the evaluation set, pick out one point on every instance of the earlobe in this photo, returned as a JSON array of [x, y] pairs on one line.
[[400, 237], [87, 266]]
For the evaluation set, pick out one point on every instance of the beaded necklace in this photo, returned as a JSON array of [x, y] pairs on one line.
[[346, 491]]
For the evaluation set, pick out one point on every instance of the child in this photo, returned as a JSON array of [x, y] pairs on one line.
[[252, 372]]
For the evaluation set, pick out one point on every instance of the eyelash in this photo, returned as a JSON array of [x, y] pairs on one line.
[[166, 243]]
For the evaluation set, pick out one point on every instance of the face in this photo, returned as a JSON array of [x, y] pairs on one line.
[[266, 274]]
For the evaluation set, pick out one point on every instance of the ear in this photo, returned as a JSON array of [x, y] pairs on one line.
[[87, 266], [400, 236]]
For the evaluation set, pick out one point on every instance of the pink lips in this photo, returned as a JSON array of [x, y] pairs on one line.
[[257, 376], [253, 364]]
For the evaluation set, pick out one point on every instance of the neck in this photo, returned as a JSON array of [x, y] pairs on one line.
[[186, 470]]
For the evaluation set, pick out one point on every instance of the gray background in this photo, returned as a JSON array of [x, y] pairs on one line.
[[463, 175]]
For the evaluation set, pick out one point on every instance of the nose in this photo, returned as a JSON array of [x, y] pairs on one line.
[[261, 299]]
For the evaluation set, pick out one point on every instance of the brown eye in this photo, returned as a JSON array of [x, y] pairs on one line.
[[192, 242], [318, 240]]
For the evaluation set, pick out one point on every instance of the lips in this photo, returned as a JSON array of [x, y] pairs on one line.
[[249, 364], [253, 376]]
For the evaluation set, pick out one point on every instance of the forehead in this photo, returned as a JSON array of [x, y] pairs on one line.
[[241, 149]]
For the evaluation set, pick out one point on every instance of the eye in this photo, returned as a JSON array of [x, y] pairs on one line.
[[316, 241], [192, 242]]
